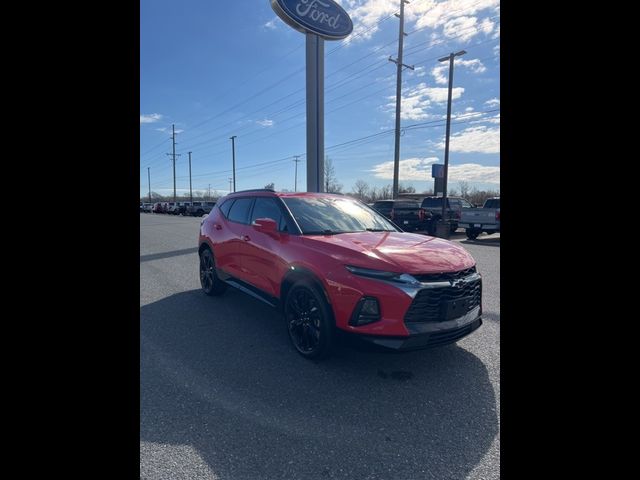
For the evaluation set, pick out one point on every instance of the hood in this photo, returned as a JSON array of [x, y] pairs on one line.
[[394, 251]]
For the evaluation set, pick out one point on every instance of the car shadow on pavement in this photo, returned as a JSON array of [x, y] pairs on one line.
[[219, 377], [483, 241]]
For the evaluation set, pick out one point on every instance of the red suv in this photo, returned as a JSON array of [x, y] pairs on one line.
[[331, 262]]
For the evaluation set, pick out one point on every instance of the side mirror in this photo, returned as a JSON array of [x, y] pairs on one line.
[[265, 225]]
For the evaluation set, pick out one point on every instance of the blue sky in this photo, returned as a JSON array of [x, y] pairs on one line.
[[216, 69]]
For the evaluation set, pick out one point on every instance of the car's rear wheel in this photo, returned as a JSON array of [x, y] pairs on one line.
[[211, 284], [472, 233], [431, 226], [309, 321]]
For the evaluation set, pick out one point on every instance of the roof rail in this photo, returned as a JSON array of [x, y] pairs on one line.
[[256, 190]]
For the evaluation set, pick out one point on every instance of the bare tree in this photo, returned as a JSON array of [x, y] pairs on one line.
[[386, 192], [374, 194], [407, 189], [464, 188], [270, 186], [331, 184], [360, 189]]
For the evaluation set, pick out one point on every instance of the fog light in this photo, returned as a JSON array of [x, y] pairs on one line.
[[367, 311]]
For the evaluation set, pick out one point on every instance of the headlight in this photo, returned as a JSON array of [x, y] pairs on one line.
[[382, 275]]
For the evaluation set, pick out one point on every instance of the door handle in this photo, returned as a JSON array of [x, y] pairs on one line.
[[246, 238]]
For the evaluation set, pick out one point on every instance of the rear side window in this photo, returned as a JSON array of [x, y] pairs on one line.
[[266, 207], [224, 208], [432, 203], [492, 203], [383, 206], [406, 205], [239, 211]]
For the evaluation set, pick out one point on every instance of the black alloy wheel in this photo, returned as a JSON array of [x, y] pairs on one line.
[[211, 284], [309, 321]]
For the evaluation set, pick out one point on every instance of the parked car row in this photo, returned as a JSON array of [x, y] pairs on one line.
[[425, 215], [194, 209]]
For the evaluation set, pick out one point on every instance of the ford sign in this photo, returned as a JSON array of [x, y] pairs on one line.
[[324, 18]]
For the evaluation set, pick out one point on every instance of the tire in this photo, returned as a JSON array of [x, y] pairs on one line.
[[431, 226], [211, 284], [199, 213], [453, 228], [309, 321], [472, 233]]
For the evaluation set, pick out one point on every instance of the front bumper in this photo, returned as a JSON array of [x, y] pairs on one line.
[[432, 334]]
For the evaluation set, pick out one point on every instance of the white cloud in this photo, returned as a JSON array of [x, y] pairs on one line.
[[473, 64], [441, 72], [366, 14], [474, 172], [468, 109], [486, 26], [265, 122], [437, 94], [493, 102], [497, 33], [416, 101], [151, 118], [461, 28], [431, 14], [163, 129], [409, 169], [435, 14], [419, 169], [271, 24], [481, 139]]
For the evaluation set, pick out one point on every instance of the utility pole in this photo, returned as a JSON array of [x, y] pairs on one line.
[[399, 64], [190, 190], [230, 180], [149, 174], [173, 137], [233, 152], [448, 58], [296, 159], [209, 193]]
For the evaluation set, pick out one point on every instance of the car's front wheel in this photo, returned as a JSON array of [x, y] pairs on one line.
[[211, 284], [309, 321]]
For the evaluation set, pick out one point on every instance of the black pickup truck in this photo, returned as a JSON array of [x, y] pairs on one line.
[[406, 214]]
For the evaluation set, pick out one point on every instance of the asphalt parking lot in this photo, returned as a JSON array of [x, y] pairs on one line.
[[223, 395]]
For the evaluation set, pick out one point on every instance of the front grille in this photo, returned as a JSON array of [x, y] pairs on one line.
[[444, 277], [428, 304]]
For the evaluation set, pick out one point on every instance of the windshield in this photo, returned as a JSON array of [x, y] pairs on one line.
[[330, 215]]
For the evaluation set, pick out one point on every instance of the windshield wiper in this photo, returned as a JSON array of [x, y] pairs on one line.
[[378, 230]]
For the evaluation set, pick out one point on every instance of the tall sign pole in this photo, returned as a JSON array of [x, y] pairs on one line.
[[398, 62], [449, 58], [233, 154], [315, 113], [319, 20], [190, 190]]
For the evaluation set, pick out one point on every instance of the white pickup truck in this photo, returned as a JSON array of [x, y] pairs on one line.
[[485, 219]]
